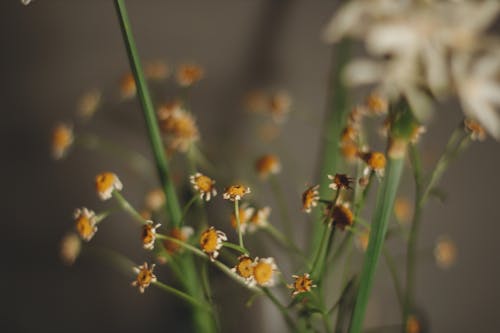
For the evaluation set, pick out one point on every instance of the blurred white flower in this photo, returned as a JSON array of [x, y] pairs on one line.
[[478, 88], [26, 2]]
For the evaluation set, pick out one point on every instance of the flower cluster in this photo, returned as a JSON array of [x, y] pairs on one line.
[[178, 127], [258, 271]]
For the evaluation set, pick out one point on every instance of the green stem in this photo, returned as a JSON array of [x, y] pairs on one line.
[[186, 208], [281, 308], [277, 235], [126, 206], [149, 114], [182, 295], [389, 260], [333, 125], [238, 223], [235, 247], [383, 211], [202, 321]]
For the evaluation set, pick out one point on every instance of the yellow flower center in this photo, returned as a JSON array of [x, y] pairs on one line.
[[204, 183], [244, 268], [375, 160], [209, 241], [85, 227], [62, 137], [104, 181], [148, 234], [302, 284], [236, 191], [376, 104], [263, 272], [144, 277], [268, 164]]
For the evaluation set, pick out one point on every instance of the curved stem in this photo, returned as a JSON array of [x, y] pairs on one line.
[[126, 206], [238, 222]]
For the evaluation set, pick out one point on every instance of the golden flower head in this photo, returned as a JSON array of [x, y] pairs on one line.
[[181, 234], [188, 74], [377, 104], [402, 210], [412, 325], [235, 192], [340, 181], [265, 271], [476, 131], [349, 134], [148, 235], [155, 199], [339, 215], [349, 150], [203, 185], [106, 183], [70, 248], [302, 284], [144, 277], [259, 219], [86, 223], [245, 213], [279, 106], [156, 70], [267, 165], [445, 252], [62, 139], [211, 242], [127, 86], [310, 198], [89, 103], [375, 161], [178, 127], [361, 240], [245, 269]]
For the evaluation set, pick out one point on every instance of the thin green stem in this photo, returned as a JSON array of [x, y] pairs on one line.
[[383, 211], [182, 295], [281, 308], [186, 208], [149, 114], [285, 241], [235, 247], [126, 206], [335, 121], [238, 223]]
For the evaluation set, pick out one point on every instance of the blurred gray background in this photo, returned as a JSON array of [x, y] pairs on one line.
[[54, 50]]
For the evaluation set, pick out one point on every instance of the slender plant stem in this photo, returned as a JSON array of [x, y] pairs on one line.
[[182, 295], [202, 322], [126, 206], [335, 120], [186, 208], [235, 247], [238, 222], [149, 114], [281, 308], [383, 211], [282, 205], [277, 235]]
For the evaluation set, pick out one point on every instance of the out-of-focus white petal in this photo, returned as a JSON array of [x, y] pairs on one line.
[[391, 38], [362, 71]]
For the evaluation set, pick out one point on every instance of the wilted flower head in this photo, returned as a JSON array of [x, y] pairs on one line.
[[106, 183], [144, 277], [445, 252], [476, 131], [89, 103], [339, 215], [127, 86], [245, 213], [178, 127], [235, 192], [267, 165], [156, 70], [70, 248], [148, 235], [62, 139], [310, 198], [265, 271], [86, 223], [204, 185], [155, 199], [279, 105], [259, 219], [302, 284], [340, 181], [188, 74], [181, 234], [211, 242]]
